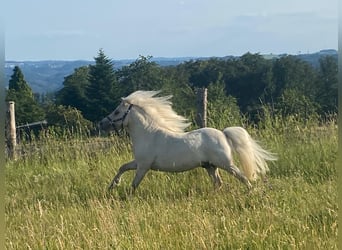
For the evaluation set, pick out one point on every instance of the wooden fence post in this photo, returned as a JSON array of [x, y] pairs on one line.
[[201, 117], [11, 130]]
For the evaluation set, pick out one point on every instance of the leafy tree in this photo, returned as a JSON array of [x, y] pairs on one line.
[[252, 83], [45, 99], [296, 87], [327, 95], [70, 118], [223, 110], [290, 72], [204, 72], [26, 107], [292, 102], [176, 83], [142, 74], [101, 91], [74, 91]]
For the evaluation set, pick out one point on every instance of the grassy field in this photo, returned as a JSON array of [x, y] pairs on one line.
[[57, 199]]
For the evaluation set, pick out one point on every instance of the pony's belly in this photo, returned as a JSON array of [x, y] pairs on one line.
[[179, 154], [175, 166]]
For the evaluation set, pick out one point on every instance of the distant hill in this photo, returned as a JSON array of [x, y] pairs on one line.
[[48, 76], [313, 59], [44, 76]]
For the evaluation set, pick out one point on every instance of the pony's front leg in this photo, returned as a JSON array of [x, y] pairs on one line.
[[132, 165], [139, 175]]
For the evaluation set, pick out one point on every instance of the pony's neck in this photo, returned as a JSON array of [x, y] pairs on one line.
[[136, 127]]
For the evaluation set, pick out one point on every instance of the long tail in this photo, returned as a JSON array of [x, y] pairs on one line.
[[251, 155]]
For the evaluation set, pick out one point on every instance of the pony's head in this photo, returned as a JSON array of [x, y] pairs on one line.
[[155, 113], [118, 118]]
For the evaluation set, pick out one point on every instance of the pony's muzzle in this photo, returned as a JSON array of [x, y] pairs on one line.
[[103, 125]]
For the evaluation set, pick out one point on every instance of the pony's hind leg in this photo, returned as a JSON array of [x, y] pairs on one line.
[[132, 165], [225, 162], [214, 174], [238, 174]]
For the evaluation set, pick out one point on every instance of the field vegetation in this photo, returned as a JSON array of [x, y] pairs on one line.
[[56, 191], [57, 195]]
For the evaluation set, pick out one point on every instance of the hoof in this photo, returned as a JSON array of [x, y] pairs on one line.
[[112, 185]]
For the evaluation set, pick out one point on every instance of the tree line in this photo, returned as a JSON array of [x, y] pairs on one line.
[[243, 85]]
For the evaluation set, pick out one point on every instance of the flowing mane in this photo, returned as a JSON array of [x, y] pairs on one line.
[[158, 110]]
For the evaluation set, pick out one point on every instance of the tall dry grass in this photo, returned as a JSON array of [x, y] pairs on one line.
[[57, 198]]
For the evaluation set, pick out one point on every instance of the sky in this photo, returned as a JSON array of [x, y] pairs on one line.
[[77, 29]]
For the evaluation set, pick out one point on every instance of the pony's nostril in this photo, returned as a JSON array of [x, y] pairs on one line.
[[100, 125]]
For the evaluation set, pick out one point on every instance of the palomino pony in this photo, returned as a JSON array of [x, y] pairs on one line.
[[160, 143]]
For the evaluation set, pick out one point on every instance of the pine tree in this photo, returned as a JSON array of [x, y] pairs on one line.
[[18, 83], [26, 107], [100, 92]]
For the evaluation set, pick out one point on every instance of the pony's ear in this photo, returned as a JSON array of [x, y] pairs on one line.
[[124, 101]]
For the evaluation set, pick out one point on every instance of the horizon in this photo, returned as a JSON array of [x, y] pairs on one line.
[[180, 57]]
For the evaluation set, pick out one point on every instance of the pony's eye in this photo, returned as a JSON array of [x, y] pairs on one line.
[[116, 112]]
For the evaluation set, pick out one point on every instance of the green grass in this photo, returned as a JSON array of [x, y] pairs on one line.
[[57, 199]]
